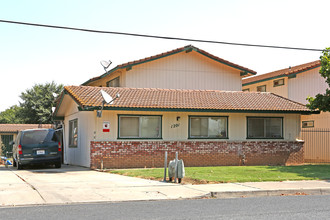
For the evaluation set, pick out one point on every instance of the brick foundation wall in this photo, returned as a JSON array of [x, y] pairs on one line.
[[139, 154]]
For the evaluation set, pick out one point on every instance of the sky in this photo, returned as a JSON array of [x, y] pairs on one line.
[[35, 55]]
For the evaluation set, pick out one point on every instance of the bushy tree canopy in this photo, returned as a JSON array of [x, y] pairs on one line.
[[322, 101], [38, 101], [11, 115], [36, 105]]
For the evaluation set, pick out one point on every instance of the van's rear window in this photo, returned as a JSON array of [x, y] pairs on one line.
[[38, 136]]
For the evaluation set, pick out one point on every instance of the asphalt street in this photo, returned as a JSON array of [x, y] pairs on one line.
[[283, 207]]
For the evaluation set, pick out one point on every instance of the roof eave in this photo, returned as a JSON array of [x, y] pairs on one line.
[[119, 108], [176, 51], [280, 76], [245, 70], [65, 92]]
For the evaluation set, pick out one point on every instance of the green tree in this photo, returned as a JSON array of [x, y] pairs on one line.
[[11, 115], [322, 101], [37, 103]]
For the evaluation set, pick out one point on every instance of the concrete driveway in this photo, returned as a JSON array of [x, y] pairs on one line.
[[72, 184]]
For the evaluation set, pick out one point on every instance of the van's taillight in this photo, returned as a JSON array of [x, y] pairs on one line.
[[20, 149], [59, 146]]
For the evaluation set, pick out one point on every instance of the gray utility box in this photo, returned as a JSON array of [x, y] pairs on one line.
[[180, 170]]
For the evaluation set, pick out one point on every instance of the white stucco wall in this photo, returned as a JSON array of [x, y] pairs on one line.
[[79, 155], [236, 124], [91, 128]]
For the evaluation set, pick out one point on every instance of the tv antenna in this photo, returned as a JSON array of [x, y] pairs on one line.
[[106, 99], [105, 64]]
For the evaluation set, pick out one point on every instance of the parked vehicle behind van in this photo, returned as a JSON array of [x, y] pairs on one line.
[[37, 146]]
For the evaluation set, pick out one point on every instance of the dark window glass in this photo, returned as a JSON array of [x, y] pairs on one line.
[[265, 128], [261, 88], [140, 127], [73, 133], [208, 127], [38, 136]]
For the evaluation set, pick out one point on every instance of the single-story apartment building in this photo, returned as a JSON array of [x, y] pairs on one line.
[[206, 127]]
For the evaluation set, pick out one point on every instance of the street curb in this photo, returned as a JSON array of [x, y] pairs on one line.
[[263, 193]]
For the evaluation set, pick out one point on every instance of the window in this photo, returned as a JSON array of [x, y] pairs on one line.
[[270, 128], [73, 133], [279, 82], [208, 127], [261, 88], [113, 83], [308, 124], [131, 126], [39, 136], [246, 90]]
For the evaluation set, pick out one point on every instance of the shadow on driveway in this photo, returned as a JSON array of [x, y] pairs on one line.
[[47, 169]]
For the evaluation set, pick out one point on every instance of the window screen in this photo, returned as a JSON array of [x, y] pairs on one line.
[[208, 127], [270, 128], [139, 126]]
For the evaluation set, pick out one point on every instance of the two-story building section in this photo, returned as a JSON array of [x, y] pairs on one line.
[[186, 101], [297, 83]]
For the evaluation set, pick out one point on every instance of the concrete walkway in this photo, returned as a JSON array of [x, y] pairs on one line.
[[72, 184]]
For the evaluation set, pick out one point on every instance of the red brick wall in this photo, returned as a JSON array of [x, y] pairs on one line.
[[130, 154]]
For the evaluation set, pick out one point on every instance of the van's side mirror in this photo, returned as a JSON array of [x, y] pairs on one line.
[[11, 142]]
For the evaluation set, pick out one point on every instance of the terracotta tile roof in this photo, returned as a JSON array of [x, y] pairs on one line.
[[178, 50], [176, 99], [19, 127], [283, 72]]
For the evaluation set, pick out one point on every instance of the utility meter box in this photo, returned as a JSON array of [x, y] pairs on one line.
[[180, 170]]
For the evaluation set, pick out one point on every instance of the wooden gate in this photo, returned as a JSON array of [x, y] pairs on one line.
[[317, 145], [5, 146]]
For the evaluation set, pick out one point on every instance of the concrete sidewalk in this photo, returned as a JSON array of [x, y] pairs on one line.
[[72, 184]]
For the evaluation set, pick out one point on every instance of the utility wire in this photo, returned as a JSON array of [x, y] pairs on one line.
[[156, 36]]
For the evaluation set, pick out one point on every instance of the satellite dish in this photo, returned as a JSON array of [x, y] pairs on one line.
[[106, 97], [105, 64]]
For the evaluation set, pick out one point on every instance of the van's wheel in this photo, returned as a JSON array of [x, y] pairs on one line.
[[58, 164], [14, 162], [19, 166]]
